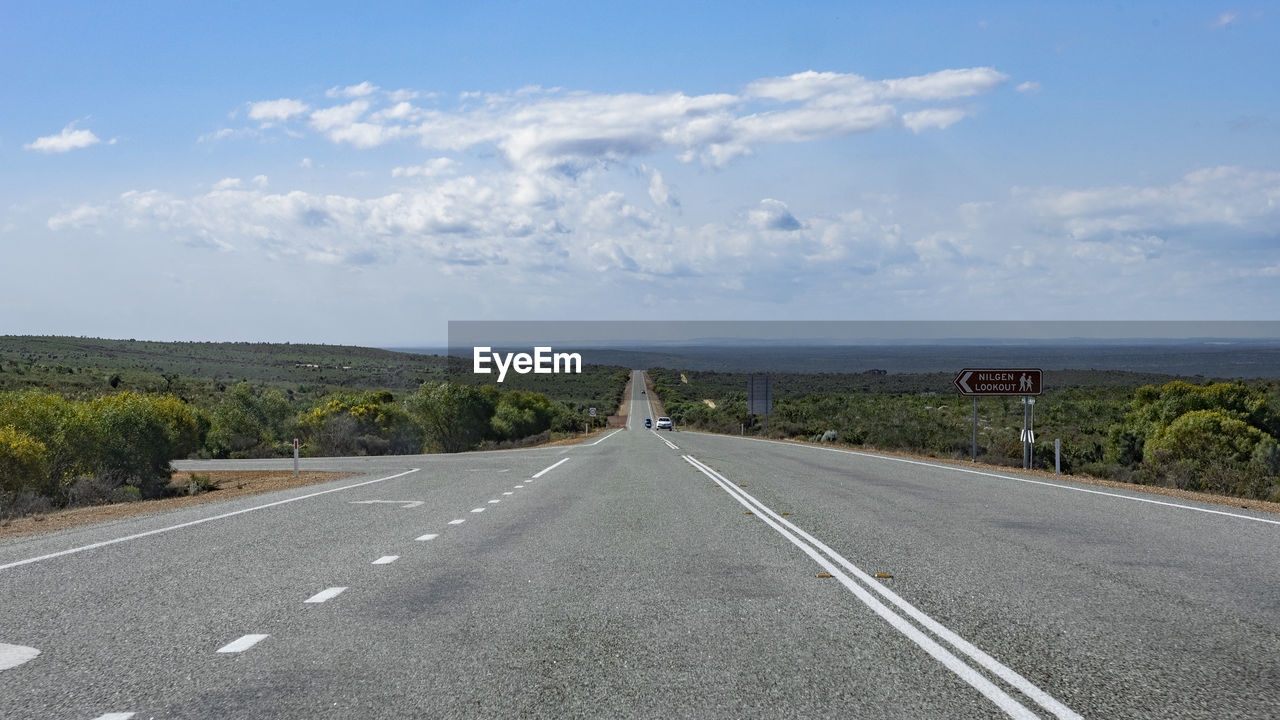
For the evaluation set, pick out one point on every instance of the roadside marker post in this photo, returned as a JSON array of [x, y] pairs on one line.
[[295, 457], [1057, 456]]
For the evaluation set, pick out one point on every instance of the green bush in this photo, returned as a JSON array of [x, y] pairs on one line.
[[22, 462]]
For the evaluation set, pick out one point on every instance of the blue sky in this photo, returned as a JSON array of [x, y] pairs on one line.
[[365, 173]]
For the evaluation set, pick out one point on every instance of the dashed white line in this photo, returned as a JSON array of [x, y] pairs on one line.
[[116, 716], [544, 471], [429, 536], [519, 486], [327, 594], [494, 502], [157, 531], [14, 655], [242, 644], [477, 510], [386, 560], [459, 521], [508, 493]]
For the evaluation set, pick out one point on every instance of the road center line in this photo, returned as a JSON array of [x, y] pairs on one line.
[[494, 502], [323, 595], [459, 521], [242, 644], [542, 472], [477, 510], [508, 493], [179, 526], [953, 663], [428, 536], [116, 716], [386, 560]]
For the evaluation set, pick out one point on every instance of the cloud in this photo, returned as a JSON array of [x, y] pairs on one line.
[[773, 215], [352, 91], [659, 193], [539, 129], [1028, 87], [271, 111], [68, 139], [1226, 19], [432, 168], [227, 184]]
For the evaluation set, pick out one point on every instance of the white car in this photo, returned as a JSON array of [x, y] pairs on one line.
[[664, 423]]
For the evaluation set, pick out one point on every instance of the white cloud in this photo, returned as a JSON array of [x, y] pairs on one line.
[[227, 184], [940, 118], [270, 111], [352, 91], [1226, 19], [659, 193], [80, 217], [538, 129], [305, 163], [432, 168], [68, 139], [1029, 86], [773, 215]]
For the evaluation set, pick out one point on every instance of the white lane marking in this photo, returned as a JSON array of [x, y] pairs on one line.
[[494, 502], [179, 526], [386, 560], [327, 594], [459, 521], [508, 493], [1010, 477], [477, 510], [12, 656], [428, 536], [544, 471], [242, 644], [519, 486], [668, 442], [405, 503], [606, 437], [952, 662], [116, 716]]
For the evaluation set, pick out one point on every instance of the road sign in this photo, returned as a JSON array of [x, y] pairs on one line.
[[760, 395], [1000, 381], [593, 412]]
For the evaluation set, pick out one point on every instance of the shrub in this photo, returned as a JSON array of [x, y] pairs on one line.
[[22, 462]]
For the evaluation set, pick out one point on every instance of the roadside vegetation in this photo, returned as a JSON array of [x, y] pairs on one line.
[[1198, 434], [85, 422]]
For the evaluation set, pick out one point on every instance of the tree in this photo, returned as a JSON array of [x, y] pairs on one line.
[[453, 417]]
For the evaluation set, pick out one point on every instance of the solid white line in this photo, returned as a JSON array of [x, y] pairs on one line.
[[544, 471], [947, 658], [386, 560], [179, 526], [116, 716], [459, 521], [606, 437], [428, 536], [1008, 477], [242, 644], [12, 656], [323, 595]]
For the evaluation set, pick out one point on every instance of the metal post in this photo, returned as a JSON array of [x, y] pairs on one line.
[[1025, 411], [975, 428], [295, 457], [1031, 437], [1057, 456]]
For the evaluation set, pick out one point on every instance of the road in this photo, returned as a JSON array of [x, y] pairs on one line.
[[648, 574]]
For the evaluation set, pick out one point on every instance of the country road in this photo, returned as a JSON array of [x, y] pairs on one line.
[[650, 574]]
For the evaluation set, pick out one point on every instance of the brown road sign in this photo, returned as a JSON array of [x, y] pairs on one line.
[[1000, 381]]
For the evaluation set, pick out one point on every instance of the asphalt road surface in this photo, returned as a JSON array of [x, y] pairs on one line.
[[649, 574]]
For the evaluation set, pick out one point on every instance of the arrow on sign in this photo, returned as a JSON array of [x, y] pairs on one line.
[[406, 504], [963, 381]]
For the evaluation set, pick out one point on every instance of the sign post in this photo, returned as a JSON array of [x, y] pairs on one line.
[[760, 397], [996, 382], [295, 457]]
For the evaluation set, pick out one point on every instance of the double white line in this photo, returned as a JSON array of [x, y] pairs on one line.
[[828, 559]]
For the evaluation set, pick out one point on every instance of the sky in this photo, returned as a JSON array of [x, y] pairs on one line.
[[366, 173]]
